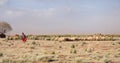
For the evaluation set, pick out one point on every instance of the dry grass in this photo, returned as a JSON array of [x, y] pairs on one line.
[[41, 51]]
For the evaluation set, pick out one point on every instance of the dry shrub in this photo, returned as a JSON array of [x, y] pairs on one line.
[[1, 54], [47, 59]]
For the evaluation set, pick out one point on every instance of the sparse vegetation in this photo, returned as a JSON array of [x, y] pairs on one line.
[[1, 54], [83, 43], [60, 46], [34, 43], [47, 59], [72, 46], [32, 47], [98, 37], [118, 43], [79, 61], [117, 55], [89, 50], [73, 51], [48, 48], [53, 52], [107, 61]]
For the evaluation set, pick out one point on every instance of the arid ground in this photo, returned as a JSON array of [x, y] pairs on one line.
[[39, 51]]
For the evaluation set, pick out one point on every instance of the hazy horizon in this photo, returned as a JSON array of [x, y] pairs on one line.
[[61, 16]]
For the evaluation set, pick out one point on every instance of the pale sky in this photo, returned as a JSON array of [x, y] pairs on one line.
[[62, 16]]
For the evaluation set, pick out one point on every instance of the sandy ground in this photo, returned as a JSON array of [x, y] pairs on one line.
[[37, 51]]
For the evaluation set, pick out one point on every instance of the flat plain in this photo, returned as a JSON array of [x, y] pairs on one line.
[[41, 51]]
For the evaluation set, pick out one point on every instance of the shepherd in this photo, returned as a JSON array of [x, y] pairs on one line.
[[24, 38]]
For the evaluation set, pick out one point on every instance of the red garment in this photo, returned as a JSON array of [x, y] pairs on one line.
[[24, 38]]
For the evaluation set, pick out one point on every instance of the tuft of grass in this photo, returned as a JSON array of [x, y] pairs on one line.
[[118, 49], [34, 43], [32, 47], [89, 50], [73, 51], [83, 43], [45, 52], [1, 54], [60, 46], [8, 60], [36, 38], [117, 55], [72, 46], [113, 43], [53, 53], [47, 59], [48, 39], [96, 57], [118, 43], [107, 61], [79, 61]]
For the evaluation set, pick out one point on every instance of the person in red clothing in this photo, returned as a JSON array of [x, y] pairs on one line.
[[24, 38]]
